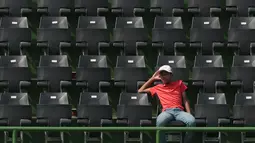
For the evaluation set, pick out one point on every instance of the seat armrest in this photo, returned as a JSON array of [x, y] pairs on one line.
[[4, 122], [42, 122], [65, 83], [42, 11], [80, 11], [179, 45], [141, 44], [82, 84], [236, 83], [24, 45], [42, 45], [65, 122], [140, 84], [104, 84], [64, 11], [43, 83], [122, 122], [178, 11], [24, 83], [117, 11], [251, 11], [4, 45], [104, 45], [198, 83], [238, 122], [106, 122], [233, 46], [118, 44], [25, 122], [195, 45], [157, 45], [102, 11], [83, 122], [201, 122], [232, 10], [145, 123], [64, 45], [224, 122], [4, 84], [4, 11], [193, 10], [120, 84], [156, 11], [215, 10], [220, 84]]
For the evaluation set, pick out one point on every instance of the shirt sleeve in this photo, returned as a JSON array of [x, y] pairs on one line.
[[153, 90], [183, 87]]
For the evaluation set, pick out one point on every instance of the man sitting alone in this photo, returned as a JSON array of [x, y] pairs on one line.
[[172, 97]]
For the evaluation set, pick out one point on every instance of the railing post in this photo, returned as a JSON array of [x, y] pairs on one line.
[[157, 136], [14, 136]]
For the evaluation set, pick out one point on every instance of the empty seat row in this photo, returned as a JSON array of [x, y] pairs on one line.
[[126, 8], [129, 35]]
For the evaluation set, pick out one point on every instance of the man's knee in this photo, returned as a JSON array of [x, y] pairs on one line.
[[190, 121]]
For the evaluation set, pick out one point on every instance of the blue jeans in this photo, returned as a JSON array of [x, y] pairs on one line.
[[172, 114]]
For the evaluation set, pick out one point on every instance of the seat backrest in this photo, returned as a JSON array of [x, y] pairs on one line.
[[13, 61], [167, 6], [91, 6], [52, 98], [14, 98], [211, 98], [242, 7], [242, 23], [14, 22], [15, 7], [133, 99], [94, 98], [89, 61], [206, 23], [129, 22], [130, 61], [243, 61], [128, 6], [244, 99], [54, 61], [53, 6], [92, 22], [208, 61], [54, 22], [205, 6], [168, 22], [173, 61]]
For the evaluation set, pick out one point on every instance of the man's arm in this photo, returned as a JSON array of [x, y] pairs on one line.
[[186, 102], [145, 88]]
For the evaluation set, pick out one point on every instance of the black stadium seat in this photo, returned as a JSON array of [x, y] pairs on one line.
[[54, 73], [209, 74], [15, 110], [15, 35], [134, 109], [240, 44], [208, 103], [53, 36], [94, 110], [91, 7], [92, 35], [130, 35], [93, 74], [240, 8], [130, 73], [55, 7], [206, 8], [15, 8], [168, 35], [206, 35], [130, 7], [167, 8], [49, 105]]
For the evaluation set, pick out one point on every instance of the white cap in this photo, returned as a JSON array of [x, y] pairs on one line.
[[166, 68]]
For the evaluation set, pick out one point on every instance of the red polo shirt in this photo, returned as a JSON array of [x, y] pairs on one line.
[[170, 95]]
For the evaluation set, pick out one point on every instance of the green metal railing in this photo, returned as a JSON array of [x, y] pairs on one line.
[[118, 129]]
